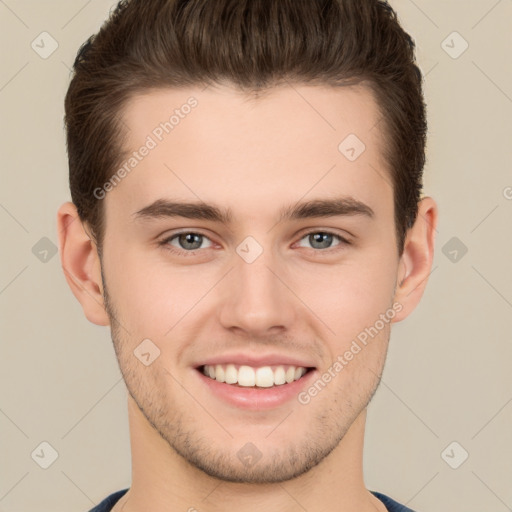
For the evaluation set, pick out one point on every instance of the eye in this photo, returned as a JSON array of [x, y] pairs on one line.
[[323, 240], [190, 241], [186, 241]]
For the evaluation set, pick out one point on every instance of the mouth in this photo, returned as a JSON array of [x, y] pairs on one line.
[[254, 377], [254, 381]]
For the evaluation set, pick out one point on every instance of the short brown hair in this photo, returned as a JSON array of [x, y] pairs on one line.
[[253, 45]]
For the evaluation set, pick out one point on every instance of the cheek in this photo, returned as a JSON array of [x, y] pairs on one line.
[[151, 297], [349, 297]]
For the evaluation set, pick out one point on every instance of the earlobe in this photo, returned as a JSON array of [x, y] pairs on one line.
[[416, 261], [81, 264]]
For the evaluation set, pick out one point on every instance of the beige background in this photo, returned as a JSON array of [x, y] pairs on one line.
[[448, 374]]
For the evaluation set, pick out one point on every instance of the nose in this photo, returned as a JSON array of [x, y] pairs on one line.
[[256, 297]]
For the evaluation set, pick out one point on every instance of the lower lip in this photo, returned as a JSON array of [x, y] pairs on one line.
[[254, 398]]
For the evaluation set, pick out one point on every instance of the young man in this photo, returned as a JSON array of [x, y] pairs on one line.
[[247, 219]]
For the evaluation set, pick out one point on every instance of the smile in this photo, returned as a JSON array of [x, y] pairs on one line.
[[248, 376]]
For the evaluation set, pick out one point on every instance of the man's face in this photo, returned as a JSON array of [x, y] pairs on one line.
[[299, 289]]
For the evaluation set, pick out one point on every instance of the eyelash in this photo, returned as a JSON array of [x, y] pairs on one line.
[[166, 245]]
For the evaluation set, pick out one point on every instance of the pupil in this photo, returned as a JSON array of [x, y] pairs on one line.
[[322, 239], [190, 238]]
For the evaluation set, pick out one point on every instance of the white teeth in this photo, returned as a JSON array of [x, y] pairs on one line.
[[231, 374], [247, 376], [264, 377], [279, 375], [219, 373]]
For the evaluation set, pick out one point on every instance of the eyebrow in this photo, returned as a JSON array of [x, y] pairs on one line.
[[318, 208]]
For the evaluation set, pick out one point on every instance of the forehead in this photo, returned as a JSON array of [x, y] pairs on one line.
[[222, 146]]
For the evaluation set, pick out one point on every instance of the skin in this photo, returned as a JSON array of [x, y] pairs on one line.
[[253, 156]]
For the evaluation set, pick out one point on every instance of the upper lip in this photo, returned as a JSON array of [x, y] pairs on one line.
[[257, 361]]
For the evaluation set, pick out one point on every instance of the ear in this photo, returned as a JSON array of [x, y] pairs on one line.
[[416, 261], [81, 264]]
